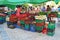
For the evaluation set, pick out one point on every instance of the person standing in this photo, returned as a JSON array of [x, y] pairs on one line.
[[43, 9], [48, 8], [53, 9]]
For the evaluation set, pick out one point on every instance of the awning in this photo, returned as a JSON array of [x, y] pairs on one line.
[[1, 2], [16, 2], [57, 1], [13, 3], [37, 1]]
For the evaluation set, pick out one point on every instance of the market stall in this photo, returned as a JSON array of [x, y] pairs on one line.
[[36, 18]]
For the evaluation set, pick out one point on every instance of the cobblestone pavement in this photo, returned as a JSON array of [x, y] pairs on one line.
[[19, 34]]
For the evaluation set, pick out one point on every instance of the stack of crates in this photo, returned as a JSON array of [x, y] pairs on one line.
[[39, 25], [40, 22], [27, 24], [22, 22], [51, 29], [27, 27], [34, 24]]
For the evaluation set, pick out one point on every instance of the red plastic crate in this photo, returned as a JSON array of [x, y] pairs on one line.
[[44, 31], [40, 24], [27, 22], [52, 15]]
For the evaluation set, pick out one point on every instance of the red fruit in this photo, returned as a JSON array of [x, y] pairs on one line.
[[13, 18]]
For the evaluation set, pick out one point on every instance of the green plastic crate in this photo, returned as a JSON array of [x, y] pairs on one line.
[[39, 28], [27, 26], [39, 21], [50, 33], [22, 26], [51, 25], [22, 22], [1, 17], [42, 13]]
